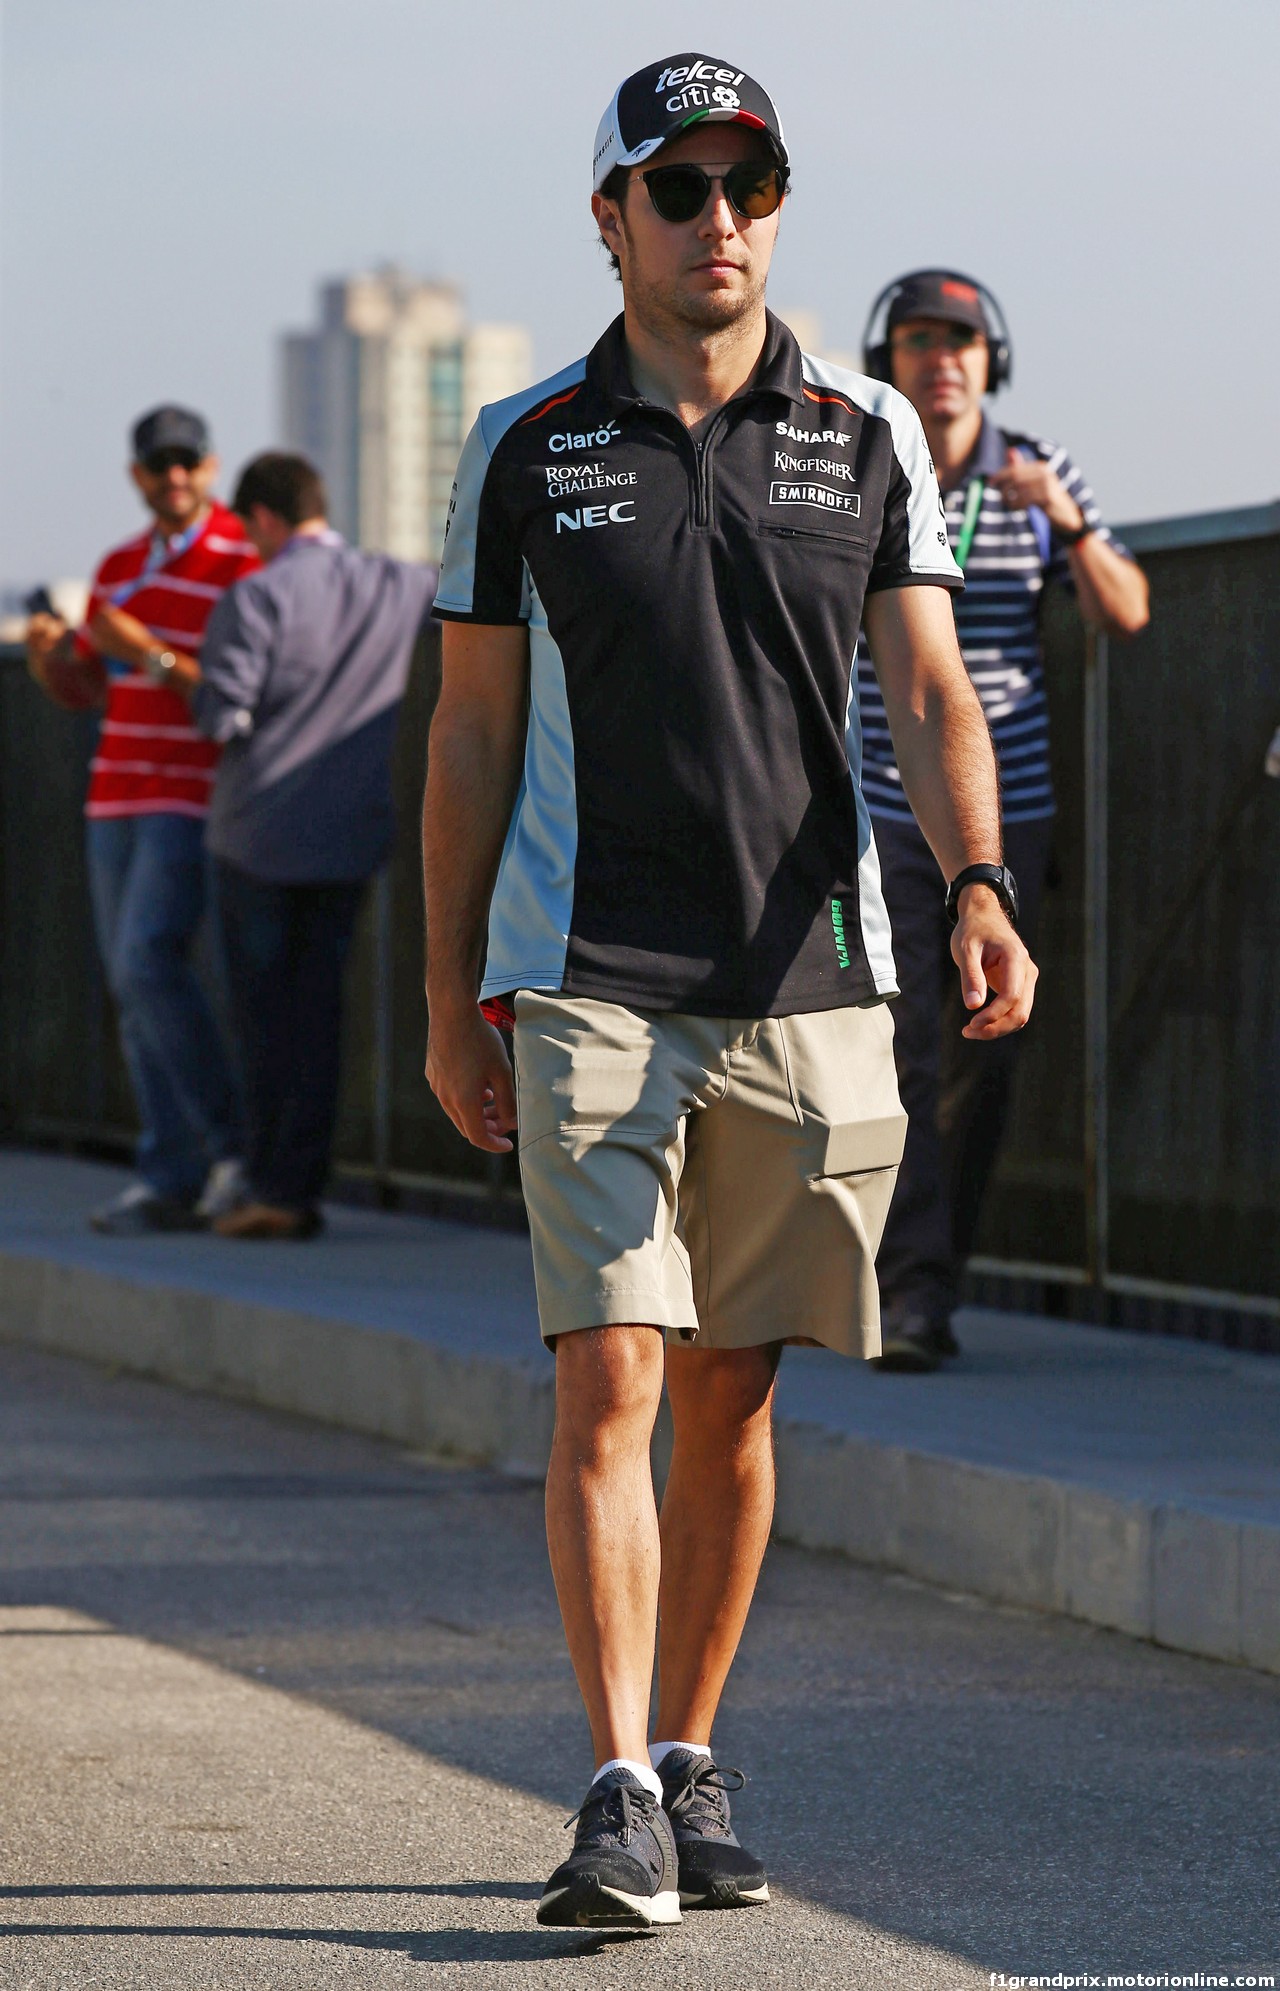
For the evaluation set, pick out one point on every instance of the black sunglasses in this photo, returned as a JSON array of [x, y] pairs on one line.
[[157, 461], [680, 193]]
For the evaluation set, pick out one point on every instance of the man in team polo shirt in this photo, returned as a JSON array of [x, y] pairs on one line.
[[644, 831], [1019, 514], [149, 789]]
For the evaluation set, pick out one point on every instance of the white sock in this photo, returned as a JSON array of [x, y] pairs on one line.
[[657, 1750], [649, 1778]]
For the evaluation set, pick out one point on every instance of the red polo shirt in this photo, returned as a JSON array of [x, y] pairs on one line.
[[150, 757]]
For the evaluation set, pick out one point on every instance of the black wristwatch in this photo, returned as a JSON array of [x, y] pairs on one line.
[[1082, 531], [1000, 879]]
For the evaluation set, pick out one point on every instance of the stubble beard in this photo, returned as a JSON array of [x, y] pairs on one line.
[[673, 305]]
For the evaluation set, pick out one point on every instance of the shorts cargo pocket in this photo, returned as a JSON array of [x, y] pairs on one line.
[[862, 1146]]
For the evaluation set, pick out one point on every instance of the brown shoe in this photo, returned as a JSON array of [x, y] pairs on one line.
[[265, 1220]]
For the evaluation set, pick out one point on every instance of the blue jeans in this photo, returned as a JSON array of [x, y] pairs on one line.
[[285, 948], [147, 883]]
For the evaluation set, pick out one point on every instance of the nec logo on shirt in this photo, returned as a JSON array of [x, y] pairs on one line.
[[623, 513]]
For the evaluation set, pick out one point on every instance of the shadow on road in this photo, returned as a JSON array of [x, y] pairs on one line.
[[1028, 1793]]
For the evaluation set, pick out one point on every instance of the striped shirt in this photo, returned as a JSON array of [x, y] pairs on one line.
[[150, 757], [1012, 556]]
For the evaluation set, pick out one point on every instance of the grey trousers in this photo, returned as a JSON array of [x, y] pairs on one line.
[[956, 1093]]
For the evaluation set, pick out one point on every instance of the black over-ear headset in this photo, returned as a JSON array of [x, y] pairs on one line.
[[875, 339]]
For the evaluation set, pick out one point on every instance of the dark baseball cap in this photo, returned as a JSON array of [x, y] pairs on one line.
[[170, 428], [938, 294], [663, 100]]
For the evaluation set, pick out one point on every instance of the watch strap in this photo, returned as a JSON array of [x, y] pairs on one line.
[[1000, 879]]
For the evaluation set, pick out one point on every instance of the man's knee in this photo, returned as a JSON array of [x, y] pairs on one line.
[[721, 1387], [145, 964], [608, 1384]]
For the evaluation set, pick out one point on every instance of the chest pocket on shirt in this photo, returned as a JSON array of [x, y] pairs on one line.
[[838, 530]]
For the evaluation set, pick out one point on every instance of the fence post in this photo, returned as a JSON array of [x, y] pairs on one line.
[[1096, 1127], [383, 1024]]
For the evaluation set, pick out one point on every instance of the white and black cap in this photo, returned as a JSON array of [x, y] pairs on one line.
[[666, 98]]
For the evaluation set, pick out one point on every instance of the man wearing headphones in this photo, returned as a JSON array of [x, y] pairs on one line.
[[1018, 514]]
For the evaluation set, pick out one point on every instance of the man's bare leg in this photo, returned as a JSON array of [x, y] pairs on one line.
[[716, 1515], [602, 1525]]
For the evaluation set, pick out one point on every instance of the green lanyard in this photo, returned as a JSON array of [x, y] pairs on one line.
[[969, 523]]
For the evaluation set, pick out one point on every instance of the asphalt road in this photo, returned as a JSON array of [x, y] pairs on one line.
[[284, 1708]]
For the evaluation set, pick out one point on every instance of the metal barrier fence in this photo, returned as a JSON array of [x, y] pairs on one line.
[[1141, 1180]]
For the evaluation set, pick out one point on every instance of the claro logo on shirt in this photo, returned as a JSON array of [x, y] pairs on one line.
[[587, 439], [623, 513]]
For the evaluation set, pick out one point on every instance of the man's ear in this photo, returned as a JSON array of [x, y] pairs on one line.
[[609, 221]]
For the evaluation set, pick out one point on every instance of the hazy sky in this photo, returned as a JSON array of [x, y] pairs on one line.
[[176, 179]]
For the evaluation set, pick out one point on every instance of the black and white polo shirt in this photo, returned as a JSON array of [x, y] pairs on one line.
[[690, 832], [1012, 558]]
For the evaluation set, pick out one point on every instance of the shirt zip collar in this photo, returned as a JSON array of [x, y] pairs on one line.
[[779, 372]]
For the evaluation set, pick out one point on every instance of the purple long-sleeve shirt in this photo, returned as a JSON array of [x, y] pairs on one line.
[[302, 672]]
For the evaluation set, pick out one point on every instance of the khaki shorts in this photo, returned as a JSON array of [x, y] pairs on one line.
[[726, 1181]]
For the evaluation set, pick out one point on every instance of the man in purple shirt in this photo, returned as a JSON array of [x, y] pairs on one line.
[[302, 676]]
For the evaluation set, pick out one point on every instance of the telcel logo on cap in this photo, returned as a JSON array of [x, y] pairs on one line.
[[692, 85]]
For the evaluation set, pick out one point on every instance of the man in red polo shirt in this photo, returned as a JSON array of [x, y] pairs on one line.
[[149, 789]]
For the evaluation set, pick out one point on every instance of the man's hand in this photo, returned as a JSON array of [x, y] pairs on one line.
[[44, 633], [470, 1074], [1027, 481], [75, 683], [995, 967], [1111, 590]]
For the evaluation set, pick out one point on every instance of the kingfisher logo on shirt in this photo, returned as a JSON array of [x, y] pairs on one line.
[[813, 466]]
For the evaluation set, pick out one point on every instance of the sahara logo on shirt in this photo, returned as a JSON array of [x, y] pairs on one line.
[[827, 436]]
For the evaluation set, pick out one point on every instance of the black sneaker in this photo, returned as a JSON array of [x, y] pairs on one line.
[[621, 1873], [715, 1871], [915, 1339], [138, 1211]]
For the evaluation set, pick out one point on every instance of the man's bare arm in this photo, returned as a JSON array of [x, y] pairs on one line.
[[1112, 591], [473, 771], [948, 769], [121, 635]]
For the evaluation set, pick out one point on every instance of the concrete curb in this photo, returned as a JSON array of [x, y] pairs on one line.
[[1183, 1577]]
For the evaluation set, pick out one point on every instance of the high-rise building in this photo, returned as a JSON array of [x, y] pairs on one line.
[[381, 396]]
